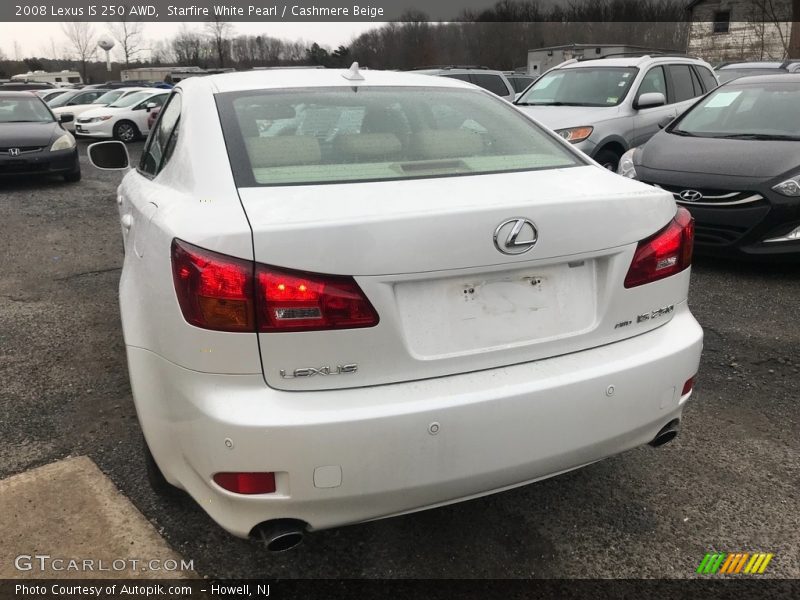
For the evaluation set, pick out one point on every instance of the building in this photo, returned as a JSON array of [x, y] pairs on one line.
[[159, 74], [59, 78], [543, 59], [732, 30]]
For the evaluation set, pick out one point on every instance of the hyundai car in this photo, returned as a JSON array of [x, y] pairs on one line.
[[733, 161]]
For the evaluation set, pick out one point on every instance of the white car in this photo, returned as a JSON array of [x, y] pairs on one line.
[[107, 98], [124, 119], [348, 295]]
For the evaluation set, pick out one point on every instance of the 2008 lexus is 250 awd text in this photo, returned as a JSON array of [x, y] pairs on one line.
[[352, 294]]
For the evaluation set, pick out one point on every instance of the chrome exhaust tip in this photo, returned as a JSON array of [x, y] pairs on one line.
[[667, 433], [279, 535]]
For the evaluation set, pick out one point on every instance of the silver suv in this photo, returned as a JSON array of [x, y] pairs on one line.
[[494, 81], [609, 105]]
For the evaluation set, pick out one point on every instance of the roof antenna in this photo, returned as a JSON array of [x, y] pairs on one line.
[[353, 74]]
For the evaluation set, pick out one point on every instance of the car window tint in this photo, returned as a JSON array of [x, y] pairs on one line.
[[493, 83], [653, 82], [332, 135], [709, 82], [520, 83], [459, 76], [681, 77], [160, 145], [698, 87]]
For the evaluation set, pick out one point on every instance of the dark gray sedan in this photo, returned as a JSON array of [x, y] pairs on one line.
[[32, 141]]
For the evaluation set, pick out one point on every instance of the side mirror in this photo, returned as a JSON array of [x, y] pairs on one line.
[[651, 99], [109, 156], [665, 121], [150, 106], [66, 118]]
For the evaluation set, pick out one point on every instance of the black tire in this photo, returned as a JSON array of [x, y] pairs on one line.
[[126, 132], [608, 159], [73, 177], [155, 477]]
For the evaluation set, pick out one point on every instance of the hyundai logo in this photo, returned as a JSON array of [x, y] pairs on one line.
[[515, 236], [14, 151], [690, 196]]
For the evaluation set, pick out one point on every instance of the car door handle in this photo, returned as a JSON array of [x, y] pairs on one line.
[[127, 221]]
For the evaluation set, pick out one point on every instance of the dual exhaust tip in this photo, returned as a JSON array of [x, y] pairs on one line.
[[666, 434], [281, 535]]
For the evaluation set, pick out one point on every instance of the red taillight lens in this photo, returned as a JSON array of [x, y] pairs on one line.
[[298, 301], [214, 291], [687, 387], [219, 292], [246, 483], [664, 254]]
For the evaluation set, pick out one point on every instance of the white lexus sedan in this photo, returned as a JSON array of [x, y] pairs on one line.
[[125, 119], [350, 295]]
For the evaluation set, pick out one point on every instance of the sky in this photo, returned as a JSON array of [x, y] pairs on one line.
[[34, 38]]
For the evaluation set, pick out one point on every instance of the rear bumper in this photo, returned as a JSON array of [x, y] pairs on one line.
[[41, 163], [496, 429]]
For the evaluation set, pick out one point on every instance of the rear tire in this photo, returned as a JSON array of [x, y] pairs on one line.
[[608, 159], [73, 177], [126, 132], [155, 477]]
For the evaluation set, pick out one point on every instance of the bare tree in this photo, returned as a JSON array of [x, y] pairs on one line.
[[129, 35], [794, 42], [82, 40], [220, 32]]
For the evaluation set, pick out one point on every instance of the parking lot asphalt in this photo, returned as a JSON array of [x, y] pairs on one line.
[[729, 482]]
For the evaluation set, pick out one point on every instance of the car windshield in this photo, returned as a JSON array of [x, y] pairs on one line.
[[62, 99], [331, 135], [130, 99], [580, 86], [24, 110], [746, 111], [108, 97]]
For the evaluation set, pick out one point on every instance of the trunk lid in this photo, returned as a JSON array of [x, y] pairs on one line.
[[449, 301]]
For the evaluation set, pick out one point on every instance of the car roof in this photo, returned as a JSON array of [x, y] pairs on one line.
[[753, 65], [293, 78], [631, 61], [778, 78], [10, 95]]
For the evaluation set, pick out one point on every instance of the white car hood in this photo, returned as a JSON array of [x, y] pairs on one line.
[[561, 117], [102, 111], [79, 107]]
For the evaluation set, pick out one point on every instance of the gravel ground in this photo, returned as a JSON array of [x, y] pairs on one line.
[[729, 482]]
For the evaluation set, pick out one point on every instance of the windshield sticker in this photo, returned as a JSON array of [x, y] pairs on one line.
[[722, 99], [611, 100], [626, 75]]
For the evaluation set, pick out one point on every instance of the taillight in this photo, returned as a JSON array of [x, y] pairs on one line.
[[214, 291], [299, 301], [667, 252], [688, 385], [220, 292]]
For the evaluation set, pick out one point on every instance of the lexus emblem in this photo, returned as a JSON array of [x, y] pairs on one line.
[[515, 236], [690, 196], [13, 151]]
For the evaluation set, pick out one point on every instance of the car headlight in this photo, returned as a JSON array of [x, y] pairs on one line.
[[96, 119], [626, 167], [790, 187], [65, 142], [575, 134]]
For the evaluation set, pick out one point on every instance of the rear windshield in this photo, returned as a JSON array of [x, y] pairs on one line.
[[580, 86], [331, 135]]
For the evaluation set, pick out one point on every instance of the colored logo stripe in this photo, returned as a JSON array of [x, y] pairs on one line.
[[734, 562]]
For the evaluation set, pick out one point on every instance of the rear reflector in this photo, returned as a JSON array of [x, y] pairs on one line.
[[246, 483], [298, 301], [666, 253], [225, 293], [687, 387]]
